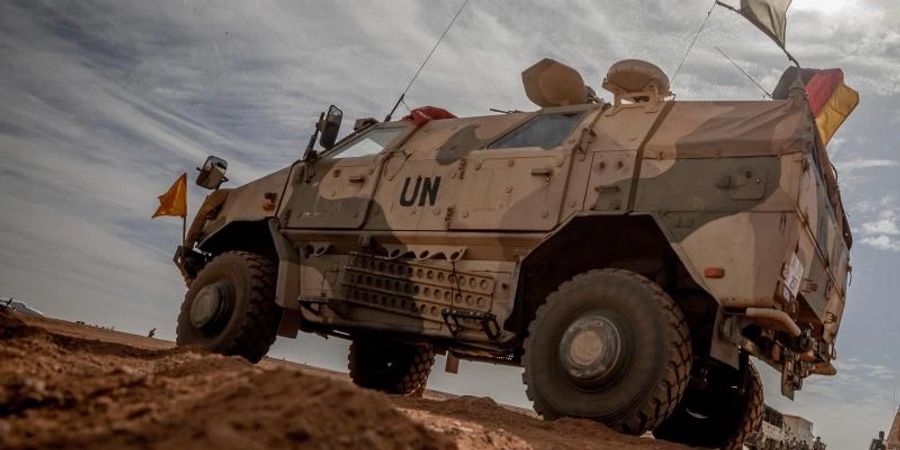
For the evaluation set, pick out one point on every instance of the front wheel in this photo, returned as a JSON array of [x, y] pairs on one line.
[[608, 345], [230, 307]]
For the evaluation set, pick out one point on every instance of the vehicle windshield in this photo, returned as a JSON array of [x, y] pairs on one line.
[[368, 143]]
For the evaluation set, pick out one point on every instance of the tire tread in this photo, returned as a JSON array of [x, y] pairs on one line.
[[257, 330], [666, 395], [412, 378]]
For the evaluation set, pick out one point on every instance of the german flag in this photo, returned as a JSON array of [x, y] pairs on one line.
[[830, 100]]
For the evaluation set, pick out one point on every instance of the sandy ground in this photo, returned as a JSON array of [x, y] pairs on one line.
[[64, 385]]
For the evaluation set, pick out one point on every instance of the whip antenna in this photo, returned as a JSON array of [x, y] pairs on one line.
[[765, 92], [422, 66], [694, 41]]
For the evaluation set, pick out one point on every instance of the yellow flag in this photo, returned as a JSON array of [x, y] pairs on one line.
[[174, 201]]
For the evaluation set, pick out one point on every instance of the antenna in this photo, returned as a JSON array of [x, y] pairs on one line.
[[422, 66], [767, 94], [694, 41], [504, 111]]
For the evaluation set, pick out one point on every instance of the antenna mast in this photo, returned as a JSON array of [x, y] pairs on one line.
[[422, 66], [765, 92], [694, 41]]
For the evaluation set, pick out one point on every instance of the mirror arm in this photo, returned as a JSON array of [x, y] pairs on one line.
[[308, 154]]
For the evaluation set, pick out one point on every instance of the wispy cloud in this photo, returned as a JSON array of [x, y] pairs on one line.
[[881, 227], [882, 242], [885, 225], [104, 103], [857, 164]]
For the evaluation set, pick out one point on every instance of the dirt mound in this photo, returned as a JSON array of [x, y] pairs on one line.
[[69, 386], [574, 434], [60, 391]]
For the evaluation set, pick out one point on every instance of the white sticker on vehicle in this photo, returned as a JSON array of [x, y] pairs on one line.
[[793, 274]]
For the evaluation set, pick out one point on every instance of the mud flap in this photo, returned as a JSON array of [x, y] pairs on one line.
[[791, 381], [290, 324], [723, 347]]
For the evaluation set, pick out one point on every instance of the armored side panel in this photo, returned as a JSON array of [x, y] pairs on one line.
[[425, 230]]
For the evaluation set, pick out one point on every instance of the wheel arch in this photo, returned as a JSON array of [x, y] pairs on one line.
[[246, 236], [631, 242], [264, 238]]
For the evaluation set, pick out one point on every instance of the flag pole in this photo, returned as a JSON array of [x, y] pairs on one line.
[[791, 57], [184, 217]]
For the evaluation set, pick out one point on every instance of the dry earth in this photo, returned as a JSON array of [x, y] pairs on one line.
[[69, 386]]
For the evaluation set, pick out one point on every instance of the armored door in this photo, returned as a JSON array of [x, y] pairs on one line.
[[336, 190], [519, 181]]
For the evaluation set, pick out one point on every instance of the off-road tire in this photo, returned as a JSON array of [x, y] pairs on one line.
[[253, 323], [651, 381], [392, 367], [725, 423]]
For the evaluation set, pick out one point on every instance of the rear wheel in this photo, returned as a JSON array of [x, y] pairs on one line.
[[608, 345], [392, 367], [724, 414], [230, 307]]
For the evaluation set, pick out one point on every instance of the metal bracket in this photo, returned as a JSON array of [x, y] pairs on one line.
[[312, 304], [791, 381], [488, 321]]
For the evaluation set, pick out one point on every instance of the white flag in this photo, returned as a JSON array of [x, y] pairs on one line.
[[770, 16]]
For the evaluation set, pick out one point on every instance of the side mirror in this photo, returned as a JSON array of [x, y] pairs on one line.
[[330, 126], [212, 174]]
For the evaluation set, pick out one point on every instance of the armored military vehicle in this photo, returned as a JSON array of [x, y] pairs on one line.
[[630, 255]]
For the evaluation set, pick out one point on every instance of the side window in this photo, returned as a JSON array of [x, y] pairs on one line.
[[369, 143], [545, 131]]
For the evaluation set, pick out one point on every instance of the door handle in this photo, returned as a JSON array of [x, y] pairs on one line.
[[542, 171], [357, 178]]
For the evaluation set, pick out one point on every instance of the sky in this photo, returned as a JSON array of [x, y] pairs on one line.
[[104, 103]]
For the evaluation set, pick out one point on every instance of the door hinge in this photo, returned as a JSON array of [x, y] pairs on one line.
[[461, 169], [448, 217]]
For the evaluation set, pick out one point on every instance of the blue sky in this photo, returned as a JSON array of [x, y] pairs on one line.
[[104, 103]]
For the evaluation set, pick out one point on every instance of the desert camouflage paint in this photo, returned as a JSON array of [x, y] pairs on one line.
[[429, 234]]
